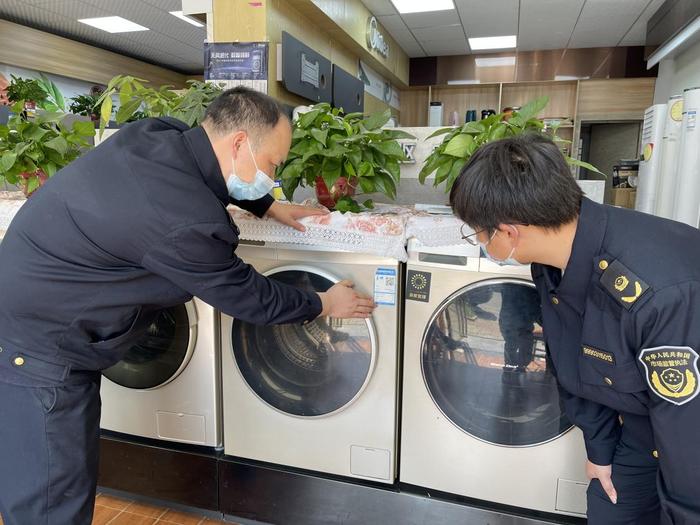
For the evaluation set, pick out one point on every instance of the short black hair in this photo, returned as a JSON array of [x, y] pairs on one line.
[[517, 180], [245, 109]]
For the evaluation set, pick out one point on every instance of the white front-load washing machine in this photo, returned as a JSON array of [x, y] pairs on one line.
[[481, 414], [320, 396], [167, 386]]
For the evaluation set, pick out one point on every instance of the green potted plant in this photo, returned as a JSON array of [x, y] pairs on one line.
[[86, 106], [460, 143], [342, 155], [137, 100], [32, 150], [36, 93]]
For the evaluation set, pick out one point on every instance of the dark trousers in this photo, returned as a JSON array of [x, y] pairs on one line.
[[634, 476], [49, 440]]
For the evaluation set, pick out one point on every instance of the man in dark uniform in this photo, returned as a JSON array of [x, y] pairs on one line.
[[620, 294], [134, 226]]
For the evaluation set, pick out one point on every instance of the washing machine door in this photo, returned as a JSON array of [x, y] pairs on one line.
[[309, 370], [485, 365], [163, 352]]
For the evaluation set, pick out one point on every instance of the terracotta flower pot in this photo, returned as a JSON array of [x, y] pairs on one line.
[[43, 177], [342, 188]]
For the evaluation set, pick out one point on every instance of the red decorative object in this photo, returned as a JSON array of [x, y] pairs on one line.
[[341, 188], [27, 176]]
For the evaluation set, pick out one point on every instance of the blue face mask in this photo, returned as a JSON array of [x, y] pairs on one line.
[[249, 191], [508, 261]]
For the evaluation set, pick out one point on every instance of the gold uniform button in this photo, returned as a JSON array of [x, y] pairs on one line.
[[607, 380], [555, 300], [19, 361], [603, 265], [655, 453]]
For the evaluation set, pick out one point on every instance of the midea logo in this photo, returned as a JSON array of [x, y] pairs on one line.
[[375, 40]]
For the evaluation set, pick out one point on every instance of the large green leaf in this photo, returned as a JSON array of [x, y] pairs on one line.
[[454, 173], [390, 147], [367, 185], [459, 145], [126, 111], [331, 171], [473, 128], [582, 164], [432, 163], [377, 120], [385, 184], [105, 113], [7, 160], [443, 170], [353, 116], [532, 108], [320, 135], [84, 128], [299, 133], [36, 132], [397, 134], [32, 184], [394, 168], [440, 132], [306, 119], [58, 144], [497, 131]]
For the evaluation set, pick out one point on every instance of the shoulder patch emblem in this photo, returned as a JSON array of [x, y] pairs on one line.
[[624, 285], [672, 372]]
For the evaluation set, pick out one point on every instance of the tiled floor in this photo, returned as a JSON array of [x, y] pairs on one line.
[[110, 510]]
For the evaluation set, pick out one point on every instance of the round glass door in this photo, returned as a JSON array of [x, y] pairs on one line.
[[305, 370], [485, 365], [161, 354]]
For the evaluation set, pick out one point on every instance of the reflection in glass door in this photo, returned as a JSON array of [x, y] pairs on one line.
[[485, 365], [160, 354], [305, 370]]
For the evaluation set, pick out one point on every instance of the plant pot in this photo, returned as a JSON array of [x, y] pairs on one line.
[[26, 176], [341, 188]]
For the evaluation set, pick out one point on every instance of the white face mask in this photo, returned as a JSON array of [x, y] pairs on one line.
[[508, 261], [249, 191]]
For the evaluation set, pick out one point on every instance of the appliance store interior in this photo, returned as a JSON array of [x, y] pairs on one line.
[[441, 406]]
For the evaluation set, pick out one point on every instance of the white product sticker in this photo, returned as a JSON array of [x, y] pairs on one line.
[[385, 286], [691, 120]]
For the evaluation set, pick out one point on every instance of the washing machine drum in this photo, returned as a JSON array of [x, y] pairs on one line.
[[305, 370], [160, 354], [486, 368]]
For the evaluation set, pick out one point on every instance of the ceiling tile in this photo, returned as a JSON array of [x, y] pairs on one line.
[[392, 23], [436, 18], [445, 48], [380, 7], [439, 33], [637, 35], [603, 23], [547, 24], [489, 18]]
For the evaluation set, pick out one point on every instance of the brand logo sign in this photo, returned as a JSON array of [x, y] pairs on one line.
[[375, 40]]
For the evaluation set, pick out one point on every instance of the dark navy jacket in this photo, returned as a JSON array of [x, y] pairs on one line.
[[623, 331], [133, 226]]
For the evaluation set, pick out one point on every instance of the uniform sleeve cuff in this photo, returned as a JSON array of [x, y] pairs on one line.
[[315, 307], [600, 453], [258, 207]]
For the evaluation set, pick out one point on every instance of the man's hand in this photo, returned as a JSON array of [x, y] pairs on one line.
[[342, 302], [290, 214], [604, 475]]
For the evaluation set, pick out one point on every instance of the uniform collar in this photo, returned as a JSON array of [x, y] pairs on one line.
[[590, 232], [588, 240], [203, 153]]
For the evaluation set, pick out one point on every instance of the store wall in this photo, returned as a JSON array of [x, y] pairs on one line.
[[678, 73], [282, 16]]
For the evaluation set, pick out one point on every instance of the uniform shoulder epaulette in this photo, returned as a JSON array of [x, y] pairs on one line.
[[623, 284]]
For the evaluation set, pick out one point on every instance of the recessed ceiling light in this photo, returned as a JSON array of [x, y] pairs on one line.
[[493, 42], [422, 6], [462, 82], [495, 62], [186, 18], [113, 24]]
